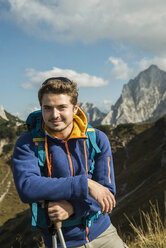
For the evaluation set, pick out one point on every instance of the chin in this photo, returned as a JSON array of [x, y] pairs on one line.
[[57, 129]]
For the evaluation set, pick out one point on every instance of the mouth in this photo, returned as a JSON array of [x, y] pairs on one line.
[[56, 122]]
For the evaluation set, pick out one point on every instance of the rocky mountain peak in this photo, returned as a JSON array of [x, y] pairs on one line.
[[2, 114], [93, 114], [142, 99]]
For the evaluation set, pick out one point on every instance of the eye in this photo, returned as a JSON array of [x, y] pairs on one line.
[[48, 108], [63, 107]]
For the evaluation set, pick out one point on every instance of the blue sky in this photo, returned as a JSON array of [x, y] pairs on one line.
[[100, 44]]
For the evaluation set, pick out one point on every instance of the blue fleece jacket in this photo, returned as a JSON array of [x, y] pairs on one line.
[[70, 161]]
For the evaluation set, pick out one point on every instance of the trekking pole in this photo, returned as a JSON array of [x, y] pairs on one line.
[[58, 226], [54, 241]]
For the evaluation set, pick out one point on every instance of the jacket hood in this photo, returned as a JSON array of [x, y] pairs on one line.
[[79, 126]]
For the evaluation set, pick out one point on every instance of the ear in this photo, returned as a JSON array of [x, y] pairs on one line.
[[75, 109]]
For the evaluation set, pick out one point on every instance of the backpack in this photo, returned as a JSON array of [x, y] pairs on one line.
[[34, 125]]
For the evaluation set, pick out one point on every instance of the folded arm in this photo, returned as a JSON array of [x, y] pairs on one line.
[[32, 187]]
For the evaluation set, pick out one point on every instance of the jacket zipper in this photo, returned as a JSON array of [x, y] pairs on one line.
[[109, 170], [72, 173]]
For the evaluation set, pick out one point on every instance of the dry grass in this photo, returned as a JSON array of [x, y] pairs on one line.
[[11, 205], [151, 233]]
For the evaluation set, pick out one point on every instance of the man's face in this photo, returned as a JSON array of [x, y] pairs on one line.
[[58, 112]]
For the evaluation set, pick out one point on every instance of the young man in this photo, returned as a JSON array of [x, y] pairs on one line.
[[72, 192]]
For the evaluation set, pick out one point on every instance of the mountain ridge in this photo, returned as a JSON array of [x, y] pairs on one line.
[[143, 99], [93, 114]]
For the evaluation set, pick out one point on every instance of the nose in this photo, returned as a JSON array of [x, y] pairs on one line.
[[55, 113]]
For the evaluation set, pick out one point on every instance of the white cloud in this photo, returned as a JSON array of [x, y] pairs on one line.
[[82, 79], [139, 22], [121, 70], [109, 102], [146, 62]]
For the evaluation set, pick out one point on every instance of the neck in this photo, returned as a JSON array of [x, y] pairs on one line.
[[62, 134]]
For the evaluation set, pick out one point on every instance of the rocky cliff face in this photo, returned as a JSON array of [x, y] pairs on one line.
[[2, 113], [143, 99], [93, 114]]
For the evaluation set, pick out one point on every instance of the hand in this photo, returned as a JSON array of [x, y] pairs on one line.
[[102, 195], [60, 210]]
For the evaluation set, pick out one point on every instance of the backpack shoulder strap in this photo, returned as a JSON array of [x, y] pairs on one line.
[[34, 124], [92, 145]]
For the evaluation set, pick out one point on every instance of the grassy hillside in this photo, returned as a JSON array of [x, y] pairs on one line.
[[10, 204], [140, 169]]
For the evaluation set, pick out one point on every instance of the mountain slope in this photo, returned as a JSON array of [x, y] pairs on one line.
[[143, 99], [93, 114], [140, 168]]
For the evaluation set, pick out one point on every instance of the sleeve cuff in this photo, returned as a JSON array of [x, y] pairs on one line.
[[80, 187]]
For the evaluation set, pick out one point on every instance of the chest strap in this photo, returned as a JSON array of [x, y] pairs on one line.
[[87, 221]]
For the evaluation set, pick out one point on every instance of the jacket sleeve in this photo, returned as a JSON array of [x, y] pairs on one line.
[[32, 187], [104, 170]]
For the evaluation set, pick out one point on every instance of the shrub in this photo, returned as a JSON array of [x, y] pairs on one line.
[[7, 132], [7, 148], [104, 128]]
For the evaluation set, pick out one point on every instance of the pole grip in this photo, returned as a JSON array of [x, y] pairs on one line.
[[58, 224]]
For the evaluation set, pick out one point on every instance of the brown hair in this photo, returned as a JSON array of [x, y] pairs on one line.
[[59, 86]]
